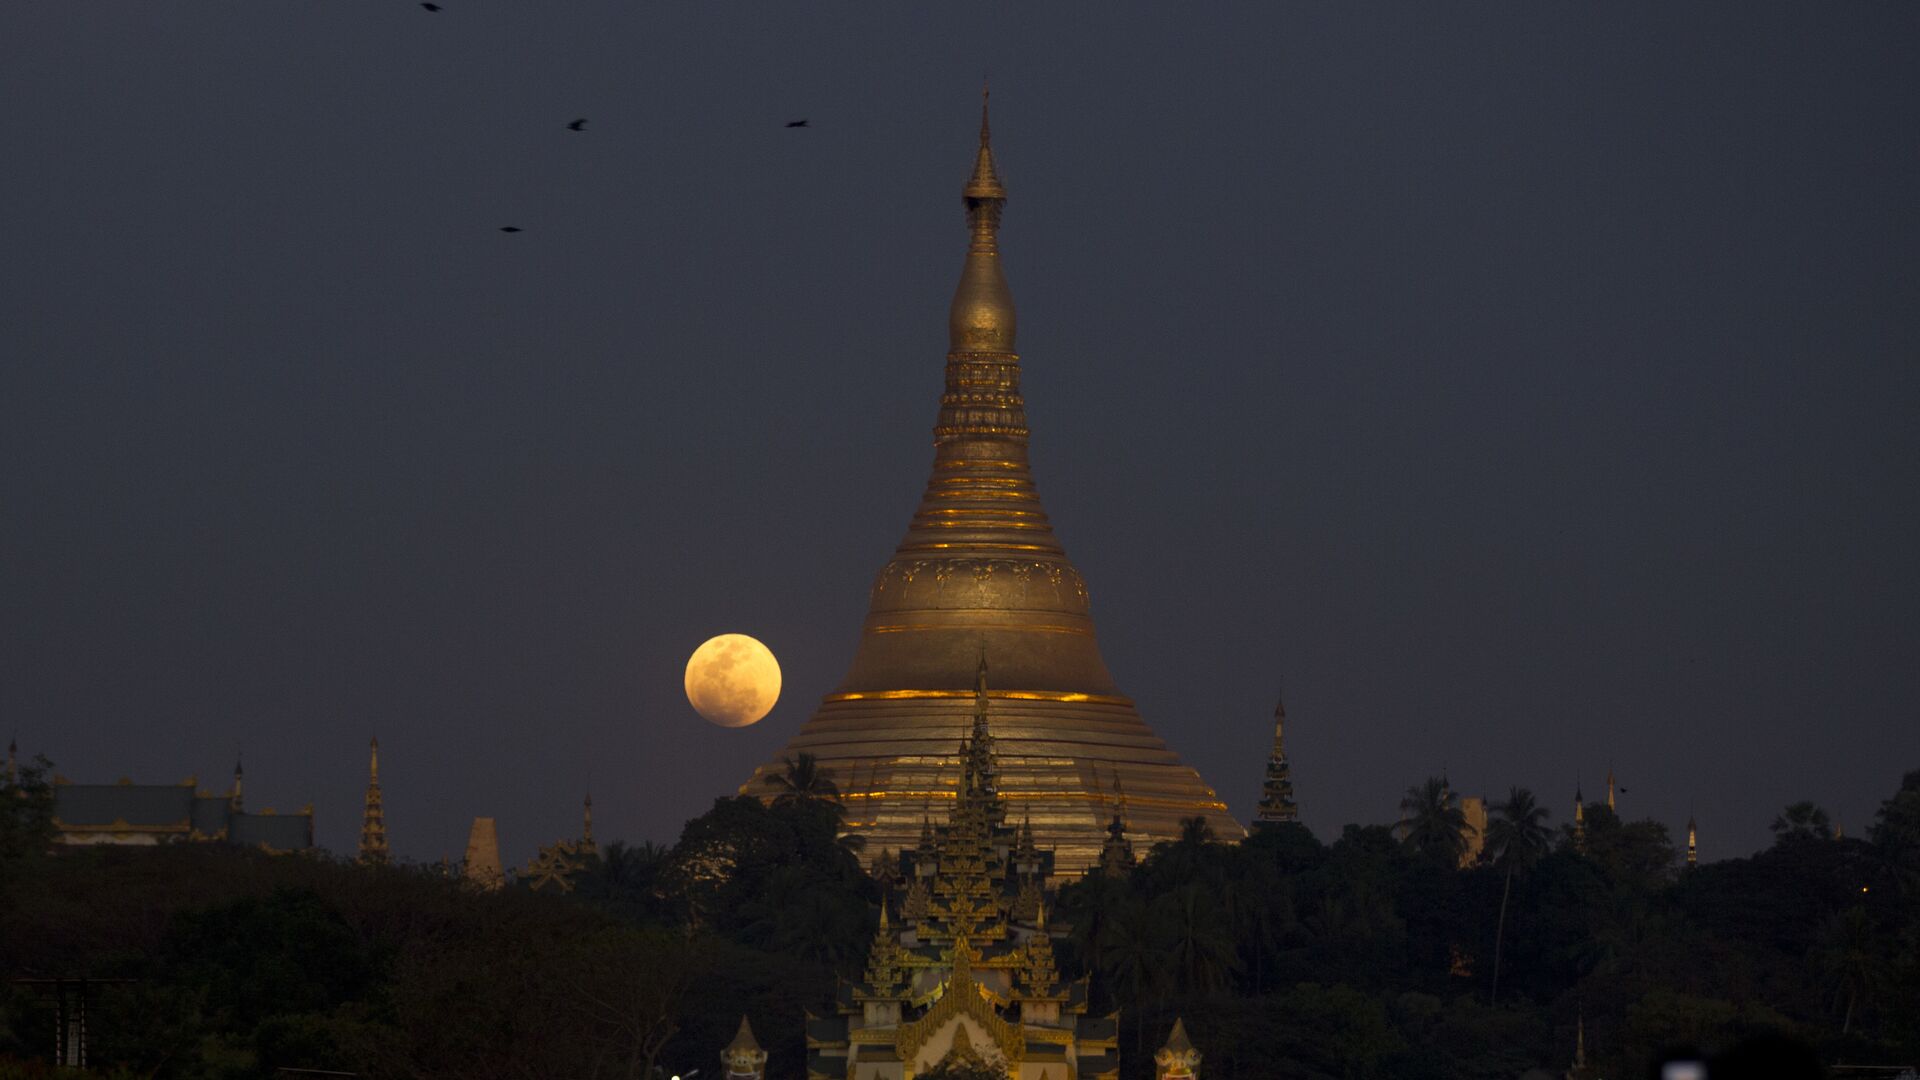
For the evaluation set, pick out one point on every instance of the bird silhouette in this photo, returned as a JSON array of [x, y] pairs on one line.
[[578, 125], [797, 123], [431, 7], [509, 228]]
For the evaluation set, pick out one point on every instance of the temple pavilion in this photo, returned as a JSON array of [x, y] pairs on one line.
[[962, 964]]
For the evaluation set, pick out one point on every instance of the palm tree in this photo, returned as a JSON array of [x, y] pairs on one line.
[[1802, 821], [1433, 824], [1518, 838], [1199, 947], [803, 779], [1850, 958], [1195, 830], [1135, 962]]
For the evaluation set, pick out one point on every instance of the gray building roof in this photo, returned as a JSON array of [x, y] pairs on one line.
[[174, 810]]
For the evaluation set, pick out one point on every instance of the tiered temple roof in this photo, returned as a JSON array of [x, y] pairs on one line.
[[967, 970]]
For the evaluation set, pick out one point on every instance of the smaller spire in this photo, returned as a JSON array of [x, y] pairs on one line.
[[586, 821], [1276, 789], [238, 775], [373, 820], [1693, 842]]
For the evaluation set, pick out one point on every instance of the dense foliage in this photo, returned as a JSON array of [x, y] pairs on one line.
[[1375, 955]]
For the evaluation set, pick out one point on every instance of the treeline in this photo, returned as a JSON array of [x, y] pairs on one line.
[[1373, 956], [236, 963], [1379, 955]]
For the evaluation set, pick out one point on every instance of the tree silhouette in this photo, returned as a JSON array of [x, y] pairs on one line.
[[803, 779], [1431, 822], [1516, 839], [1802, 821]]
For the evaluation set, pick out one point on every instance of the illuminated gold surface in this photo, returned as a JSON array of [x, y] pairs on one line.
[[980, 571]]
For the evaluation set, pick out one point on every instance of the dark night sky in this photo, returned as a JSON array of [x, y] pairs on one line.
[[1525, 387]]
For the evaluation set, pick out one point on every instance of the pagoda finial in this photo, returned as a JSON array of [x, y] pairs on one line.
[[981, 319], [238, 776], [1693, 843], [586, 821], [1609, 787]]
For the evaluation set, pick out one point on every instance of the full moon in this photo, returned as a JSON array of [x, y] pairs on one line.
[[732, 680]]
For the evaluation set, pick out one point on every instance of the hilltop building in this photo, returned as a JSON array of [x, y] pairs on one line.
[[1473, 810], [980, 571], [482, 867], [133, 814]]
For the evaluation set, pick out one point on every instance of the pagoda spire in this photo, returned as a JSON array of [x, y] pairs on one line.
[[234, 798], [1693, 843], [373, 822], [586, 822], [980, 567], [1610, 787], [1276, 798]]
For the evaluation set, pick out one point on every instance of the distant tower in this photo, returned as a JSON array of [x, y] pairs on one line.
[[373, 823], [1579, 819], [1610, 787], [1693, 843], [743, 1059], [586, 824], [233, 798], [483, 855], [1276, 791], [1177, 1060], [1116, 855]]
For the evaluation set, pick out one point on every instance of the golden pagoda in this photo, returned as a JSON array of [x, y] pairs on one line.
[[981, 576]]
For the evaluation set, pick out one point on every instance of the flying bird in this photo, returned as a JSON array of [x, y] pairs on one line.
[[431, 7], [509, 228], [797, 123], [578, 125]]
